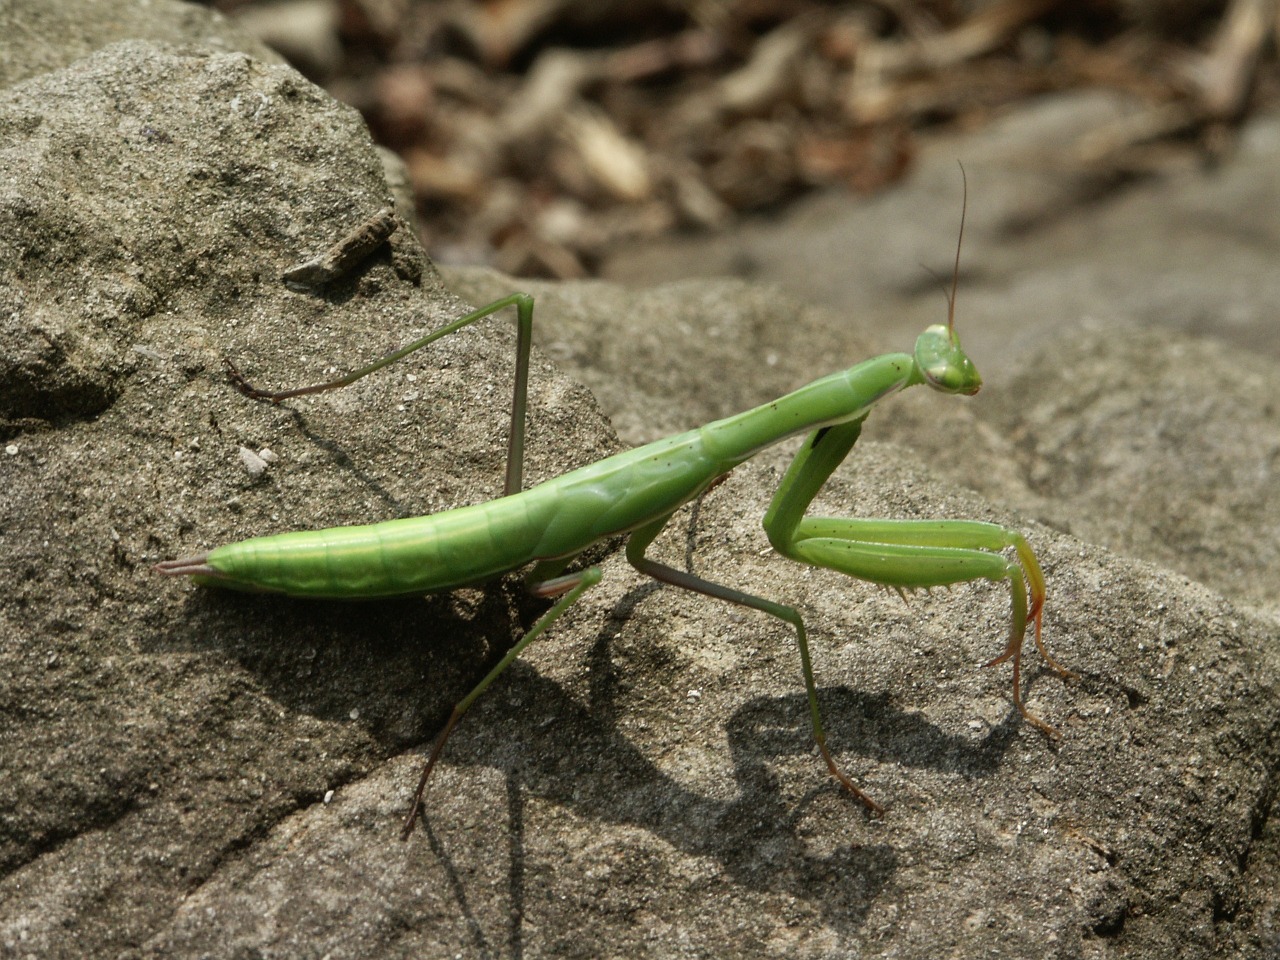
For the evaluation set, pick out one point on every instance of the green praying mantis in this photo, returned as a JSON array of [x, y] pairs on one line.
[[637, 492]]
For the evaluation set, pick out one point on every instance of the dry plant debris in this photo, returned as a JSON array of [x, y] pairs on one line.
[[539, 132]]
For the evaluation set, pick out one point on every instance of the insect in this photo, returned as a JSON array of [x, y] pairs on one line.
[[637, 492]]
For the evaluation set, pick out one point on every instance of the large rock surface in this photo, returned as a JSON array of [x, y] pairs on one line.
[[197, 774]]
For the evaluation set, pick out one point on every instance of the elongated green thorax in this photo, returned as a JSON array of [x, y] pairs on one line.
[[837, 398]]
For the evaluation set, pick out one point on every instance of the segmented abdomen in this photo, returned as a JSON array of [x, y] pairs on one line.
[[393, 558]]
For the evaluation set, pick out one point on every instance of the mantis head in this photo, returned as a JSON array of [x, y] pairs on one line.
[[943, 364], [939, 359]]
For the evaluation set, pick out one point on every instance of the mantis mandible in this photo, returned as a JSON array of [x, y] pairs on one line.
[[637, 492]]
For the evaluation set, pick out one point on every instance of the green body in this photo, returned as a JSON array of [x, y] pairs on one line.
[[555, 519]]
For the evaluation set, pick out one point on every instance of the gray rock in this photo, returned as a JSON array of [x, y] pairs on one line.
[[643, 782], [43, 36]]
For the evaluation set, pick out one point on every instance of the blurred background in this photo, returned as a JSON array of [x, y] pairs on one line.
[[542, 136]]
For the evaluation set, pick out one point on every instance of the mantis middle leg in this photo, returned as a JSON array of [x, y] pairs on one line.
[[636, 546]]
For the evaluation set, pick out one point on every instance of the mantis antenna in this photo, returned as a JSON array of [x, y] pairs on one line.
[[955, 273]]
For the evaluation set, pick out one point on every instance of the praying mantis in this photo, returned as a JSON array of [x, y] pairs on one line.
[[636, 493]]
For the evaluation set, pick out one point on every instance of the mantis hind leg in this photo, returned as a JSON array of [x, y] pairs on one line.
[[908, 554], [636, 547], [519, 402], [568, 587]]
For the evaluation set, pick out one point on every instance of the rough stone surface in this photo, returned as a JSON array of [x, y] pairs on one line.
[[45, 36], [643, 783]]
